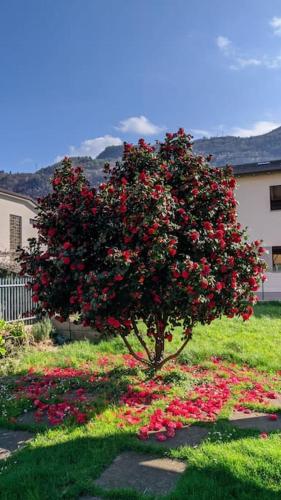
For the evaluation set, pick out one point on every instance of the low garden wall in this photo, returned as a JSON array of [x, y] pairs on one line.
[[71, 331]]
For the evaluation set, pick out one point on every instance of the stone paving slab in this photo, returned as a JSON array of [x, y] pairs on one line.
[[191, 435], [274, 402], [12, 440], [143, 473], [255, 420], [71, 396], [90, 498], [28, 418]]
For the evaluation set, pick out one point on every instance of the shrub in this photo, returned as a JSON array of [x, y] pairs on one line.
[[2, 346], [16, 329], [159, 241], [13, 336], [42, 330]]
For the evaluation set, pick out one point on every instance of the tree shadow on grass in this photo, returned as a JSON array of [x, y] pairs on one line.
[[271, 309], [68, 469], [101, 391]]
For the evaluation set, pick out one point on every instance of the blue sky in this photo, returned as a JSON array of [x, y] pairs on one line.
[[77, 75]]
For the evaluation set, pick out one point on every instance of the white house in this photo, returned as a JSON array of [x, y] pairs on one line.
[[259, 196], [17, 213]]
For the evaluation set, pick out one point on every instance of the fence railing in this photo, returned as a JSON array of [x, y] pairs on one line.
[[15, 300]]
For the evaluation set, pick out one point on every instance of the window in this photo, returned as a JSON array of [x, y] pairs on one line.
[[276, 259], [275, 197], [15, 232]]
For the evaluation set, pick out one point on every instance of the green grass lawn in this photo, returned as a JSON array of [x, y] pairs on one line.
[[63, 461]]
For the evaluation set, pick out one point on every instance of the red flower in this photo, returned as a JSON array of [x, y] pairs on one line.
[[118, 277], [67, 245], [52, 232], [273, 416], [248, 313], [80, 266], [66, 260], [113, 322], [207, 225], [185, 274], [194, 236], [161, 437], [127, 255], [142, 176]]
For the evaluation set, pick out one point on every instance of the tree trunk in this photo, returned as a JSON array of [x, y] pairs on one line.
[[159, 345]]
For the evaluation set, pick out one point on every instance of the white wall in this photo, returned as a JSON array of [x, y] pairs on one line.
[[16, 206], [254, 207]]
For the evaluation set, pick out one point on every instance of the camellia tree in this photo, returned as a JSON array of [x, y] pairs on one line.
[[157, 245]]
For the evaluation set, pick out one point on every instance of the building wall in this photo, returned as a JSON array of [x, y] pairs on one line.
[[15, 206], [253, 195]]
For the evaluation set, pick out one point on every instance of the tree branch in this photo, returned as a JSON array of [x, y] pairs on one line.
[[176, 354], [141, 340], [130, 349]]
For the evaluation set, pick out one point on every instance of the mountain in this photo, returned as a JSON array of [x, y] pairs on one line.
[[38, 183], [228, 149], [237, 150], [111, 153]]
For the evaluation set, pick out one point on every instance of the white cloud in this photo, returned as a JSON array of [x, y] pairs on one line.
[[92, 147], [198, 132], [273, 62], [238, 60], [275, 23], [258, 128], [223, 43], [27, 161], [250, 61], [139, 125]]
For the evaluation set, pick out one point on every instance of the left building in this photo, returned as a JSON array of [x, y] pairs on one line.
[[17, 213]]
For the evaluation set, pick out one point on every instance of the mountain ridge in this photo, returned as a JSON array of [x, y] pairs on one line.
[[225, 150]]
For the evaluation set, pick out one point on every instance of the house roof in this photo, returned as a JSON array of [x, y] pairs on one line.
[[257, 168], [18, 195]]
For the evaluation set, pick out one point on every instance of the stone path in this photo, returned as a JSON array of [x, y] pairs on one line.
[[12, 440], [143, 473], [255, 420], [149, 474], [191, 435]]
